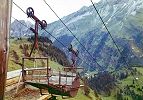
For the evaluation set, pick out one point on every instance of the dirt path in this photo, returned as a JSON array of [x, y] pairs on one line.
[[25, 94]]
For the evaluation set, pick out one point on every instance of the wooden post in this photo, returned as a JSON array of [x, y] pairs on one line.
[[66, 77], [5, 14], [23, 72], [36, 34], [47, 71], [59, 77]]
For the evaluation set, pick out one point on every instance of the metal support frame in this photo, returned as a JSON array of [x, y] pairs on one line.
[[43, 24], [73, 56]]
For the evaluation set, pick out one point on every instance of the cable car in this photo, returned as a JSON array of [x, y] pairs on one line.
[[63, 82]]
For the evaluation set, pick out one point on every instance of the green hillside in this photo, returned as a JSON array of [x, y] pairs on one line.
[[17, 51]]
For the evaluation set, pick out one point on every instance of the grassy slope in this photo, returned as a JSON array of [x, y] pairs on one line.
[[14, 45], [80, 96], [129, 81]]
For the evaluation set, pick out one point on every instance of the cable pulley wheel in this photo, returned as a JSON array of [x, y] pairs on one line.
[[30, 12], [44, 24]]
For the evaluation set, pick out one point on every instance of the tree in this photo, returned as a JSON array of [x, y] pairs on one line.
[[16, 57], [25, 50], [119, 96], [133, 81], [86, 88]]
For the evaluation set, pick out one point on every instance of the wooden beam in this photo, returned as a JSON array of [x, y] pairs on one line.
[[35, 57], [5, 14], [73, 68], [45, 97]]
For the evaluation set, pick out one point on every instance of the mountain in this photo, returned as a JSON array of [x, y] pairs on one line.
[[123, 19], [20, 29]]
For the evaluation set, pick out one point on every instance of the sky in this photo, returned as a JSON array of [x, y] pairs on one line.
[[42, 11]]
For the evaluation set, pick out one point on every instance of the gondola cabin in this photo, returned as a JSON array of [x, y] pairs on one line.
[[64, 83]]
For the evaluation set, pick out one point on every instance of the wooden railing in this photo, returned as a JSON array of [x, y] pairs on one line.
[[25, 70]]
